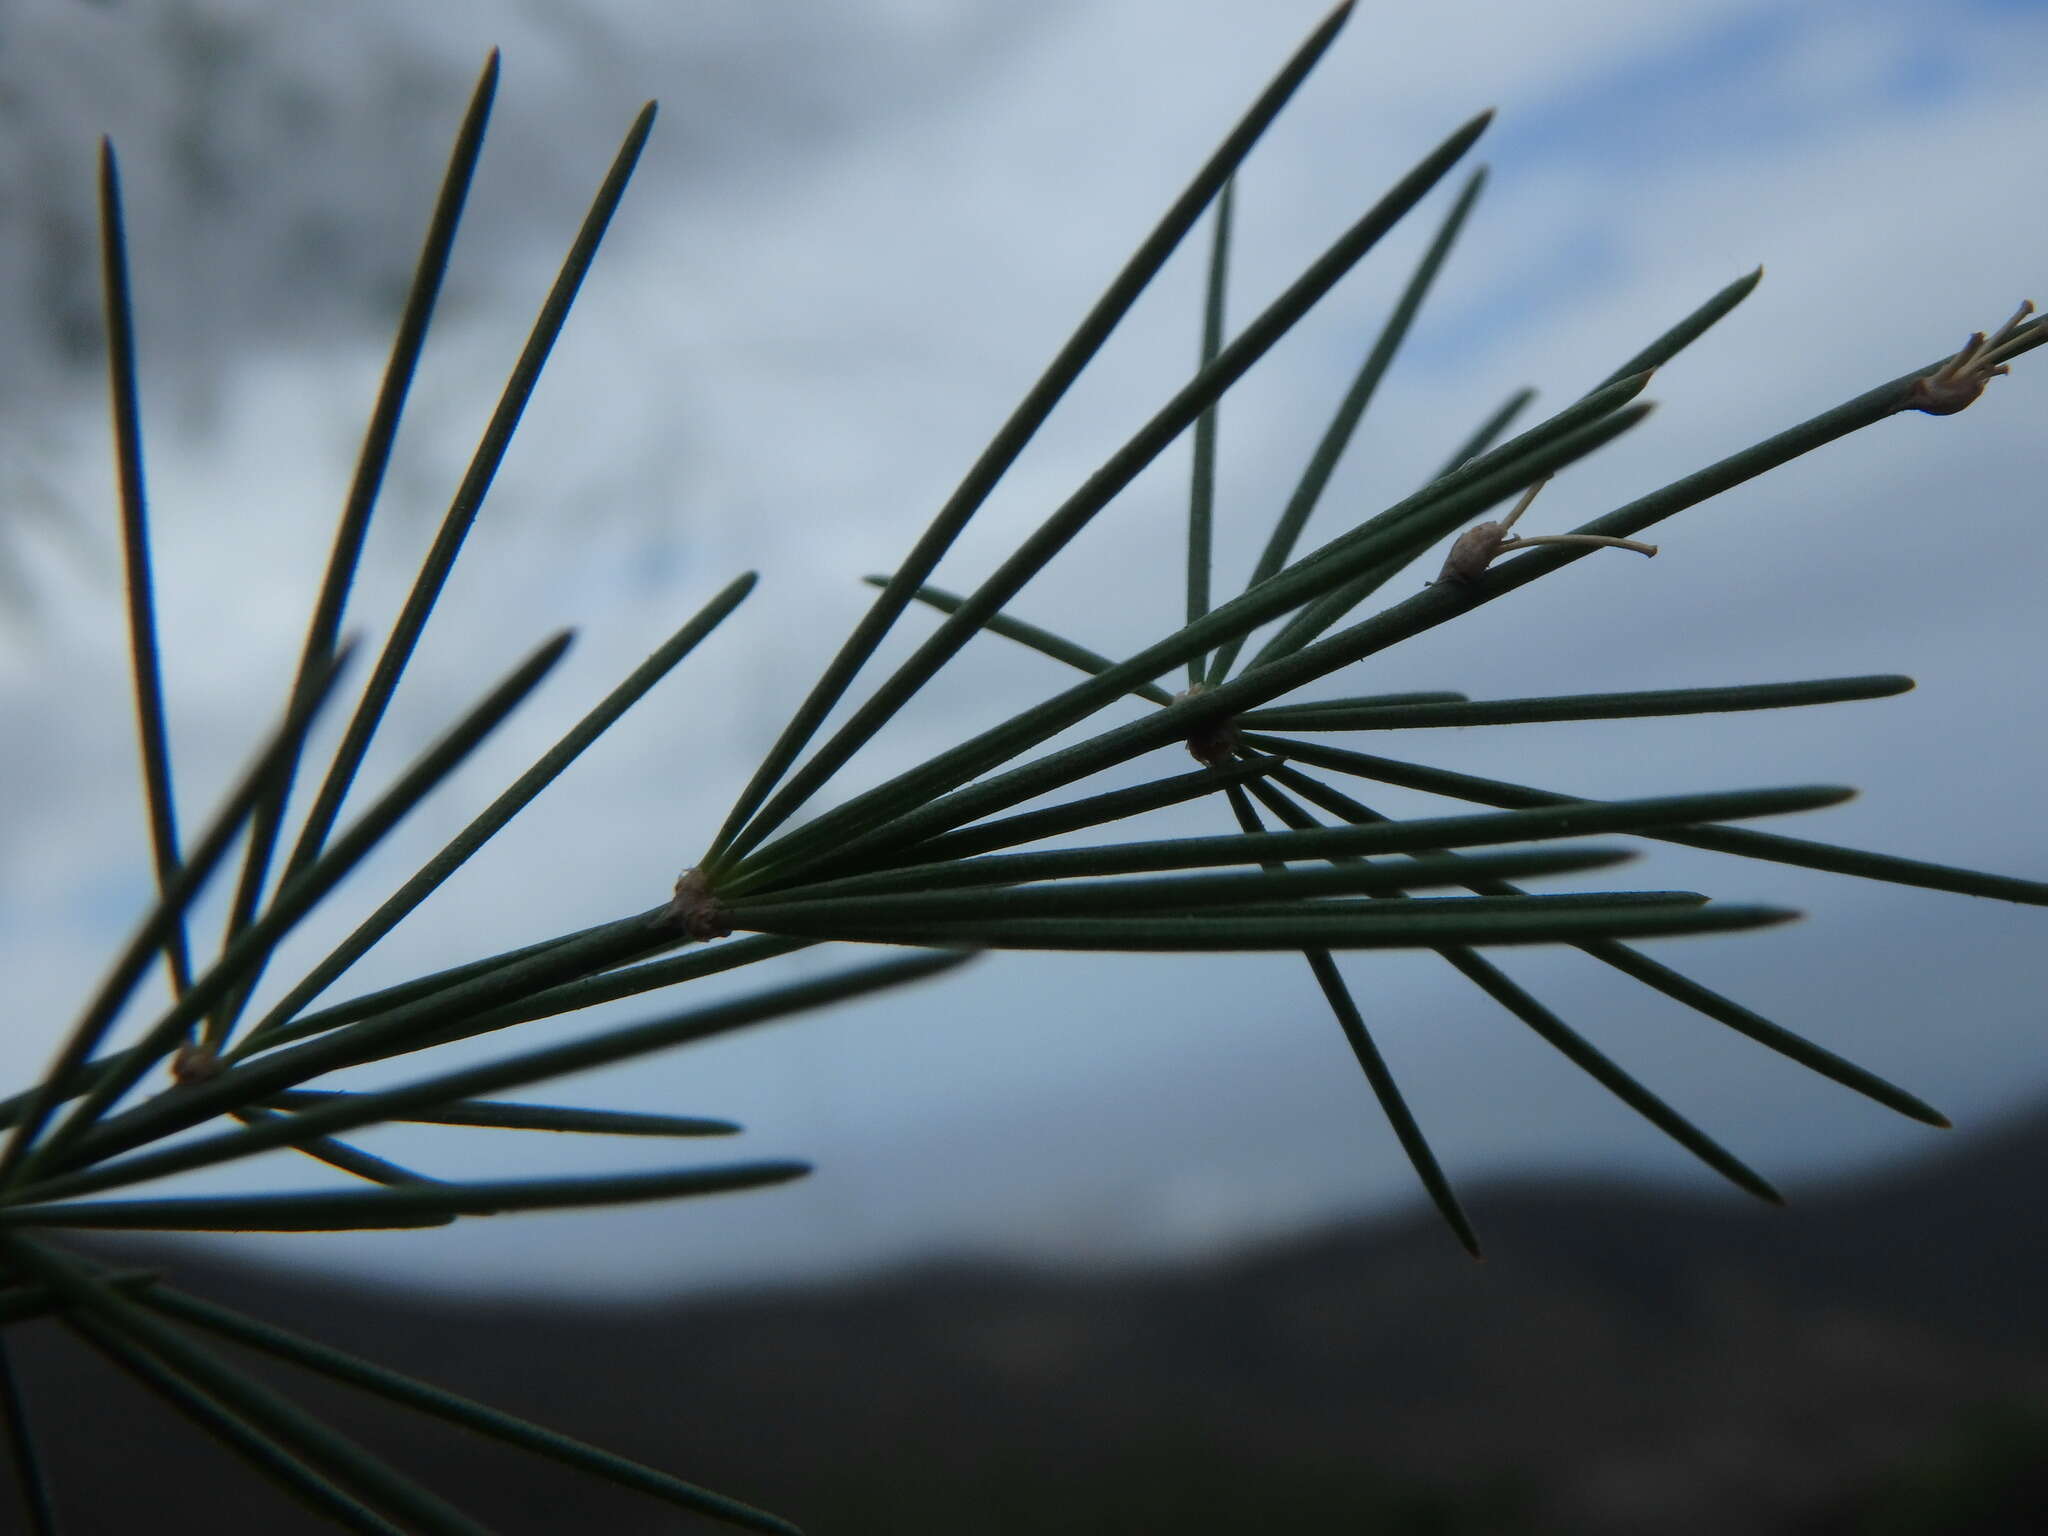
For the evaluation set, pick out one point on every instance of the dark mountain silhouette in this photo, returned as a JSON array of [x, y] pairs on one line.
[[1874, 1361]]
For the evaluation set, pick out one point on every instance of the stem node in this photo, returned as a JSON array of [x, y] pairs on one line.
[[1214, 742], [694, 911]]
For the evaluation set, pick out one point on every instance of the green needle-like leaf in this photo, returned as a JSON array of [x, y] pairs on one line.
[[1202, 484], [1122, 467], [1319, 615], [270, 1074], [533, 1117], [303, 891], [145, 662], [1582, 1055], [905, 806], [401, 1028], [1377, 1075], [68, 1074], [1770, 846], [385, 999], [20, 1303], [1368, 715], [1333, 607], [1487, 433], [1280, 890], [371, 463], [1059, 648], [468, 501], [1381, 906], [339, 1154], [1583, 819], [1090, 811], [460, 1015], [263, 1454], [1326, 610], [299, 1434], [1312, 927], [1688, 330], [414, 1205], [1015, 433], [456, 1409], [1408, 875], [435, 984], [1724, 1010], [1680, 988], [1866, 409], [500, 811], [1337, 437], [1366, 701], [1392, 1104], [1297, 816], [915, 805], [1490, 979], [1044, 641]]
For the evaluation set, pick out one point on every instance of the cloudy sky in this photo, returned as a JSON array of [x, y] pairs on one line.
[[855, 238]]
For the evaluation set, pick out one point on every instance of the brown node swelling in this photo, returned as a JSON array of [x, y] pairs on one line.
[[196, 1062], [693, 910], [1957, 383], [1212, 742]]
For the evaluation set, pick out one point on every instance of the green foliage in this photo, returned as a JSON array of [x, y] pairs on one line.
[[924, 859]]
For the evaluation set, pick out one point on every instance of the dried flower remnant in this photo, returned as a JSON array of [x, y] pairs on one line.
[[1958, 382], [1477, 546]]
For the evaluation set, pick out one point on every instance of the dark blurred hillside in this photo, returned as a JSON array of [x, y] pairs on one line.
[[1873, 1361]]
